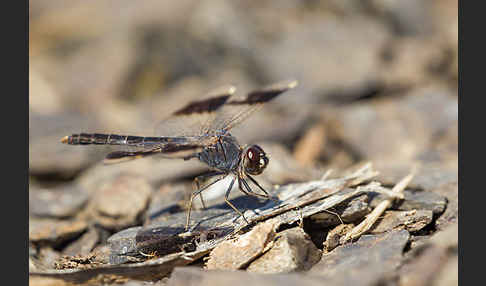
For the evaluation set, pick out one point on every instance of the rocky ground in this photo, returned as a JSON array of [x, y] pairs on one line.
[[363, 152]]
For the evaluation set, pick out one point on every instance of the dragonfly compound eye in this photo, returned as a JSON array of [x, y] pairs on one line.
[[256, 160]]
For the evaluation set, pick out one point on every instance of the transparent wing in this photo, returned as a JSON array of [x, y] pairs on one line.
[[195, 118], [238, 108]]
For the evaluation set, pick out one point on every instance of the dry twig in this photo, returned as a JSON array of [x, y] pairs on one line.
[[372, 217]]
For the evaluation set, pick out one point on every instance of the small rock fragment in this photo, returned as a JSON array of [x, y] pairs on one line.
[[78, 262], [416, 200], [412, 221], [308, 148], [349, 211], [409, 124], [449, 274], [118, 203], [430, 261], [60, 202], [334, 235], [450, 216], [47, 257], [55, 231], [39, 280], [292, 250], [165, 201], [123, 243], [194, 276], [235, 254], [84, 244], [428, 177], [423, 200], [365, 262]]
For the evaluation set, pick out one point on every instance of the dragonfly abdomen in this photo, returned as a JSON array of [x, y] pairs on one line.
[[109, 139]]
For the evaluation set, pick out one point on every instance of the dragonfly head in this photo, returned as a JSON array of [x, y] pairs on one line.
[[254, 160]]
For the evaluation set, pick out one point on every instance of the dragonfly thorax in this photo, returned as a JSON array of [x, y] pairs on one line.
[[223, 155]]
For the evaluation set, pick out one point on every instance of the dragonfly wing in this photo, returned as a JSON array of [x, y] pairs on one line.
[[238, 109], [194, 118], [168, 147]]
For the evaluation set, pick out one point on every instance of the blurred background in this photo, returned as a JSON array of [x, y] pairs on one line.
[[377, 82]]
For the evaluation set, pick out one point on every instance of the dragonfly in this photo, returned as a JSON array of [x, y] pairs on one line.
[[200, 130]]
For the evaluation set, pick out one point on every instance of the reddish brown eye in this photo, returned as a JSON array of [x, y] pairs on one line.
[[254, 154], [256, 160]]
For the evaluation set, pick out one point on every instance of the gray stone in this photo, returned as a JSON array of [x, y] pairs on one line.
[[412, 221], [60, 202], [334, 235], [369, 260], [47, 258], [47, 155], [193, 276], [122, 244], [428, 177], [416, 200], [84, 244], [451, 214], [349, 211], [292, 250], [238, 253], [118, 203], [428, 263], [167, 236], [169, 198], [54, 232], [409, 125]]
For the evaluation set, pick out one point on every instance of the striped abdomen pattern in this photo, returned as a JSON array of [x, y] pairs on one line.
[[112, 139]]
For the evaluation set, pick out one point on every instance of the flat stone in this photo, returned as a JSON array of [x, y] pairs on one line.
[[428, 177], [410, 123], [166, 200], [416, 200], [87, 261], [429, 262], [123, 243], [144, 283], [369, 260], [153, 170], [162, 241], [423, 200], [449, 274], [119, 202], [412, 221], [167, 235], [84, 244], [39, 280], [92, 268], [334, 235], [47, 155], [308, 147], [54, 231], [47, 257], [183, 276], [349, 211], [61, 202], [236, 254], [450, 216], [292, 250], [347, 68]]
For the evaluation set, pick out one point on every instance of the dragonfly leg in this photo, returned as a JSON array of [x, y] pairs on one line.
[[193, 195], [261, 188], [202, 177], [244, 185], [230, 204]]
